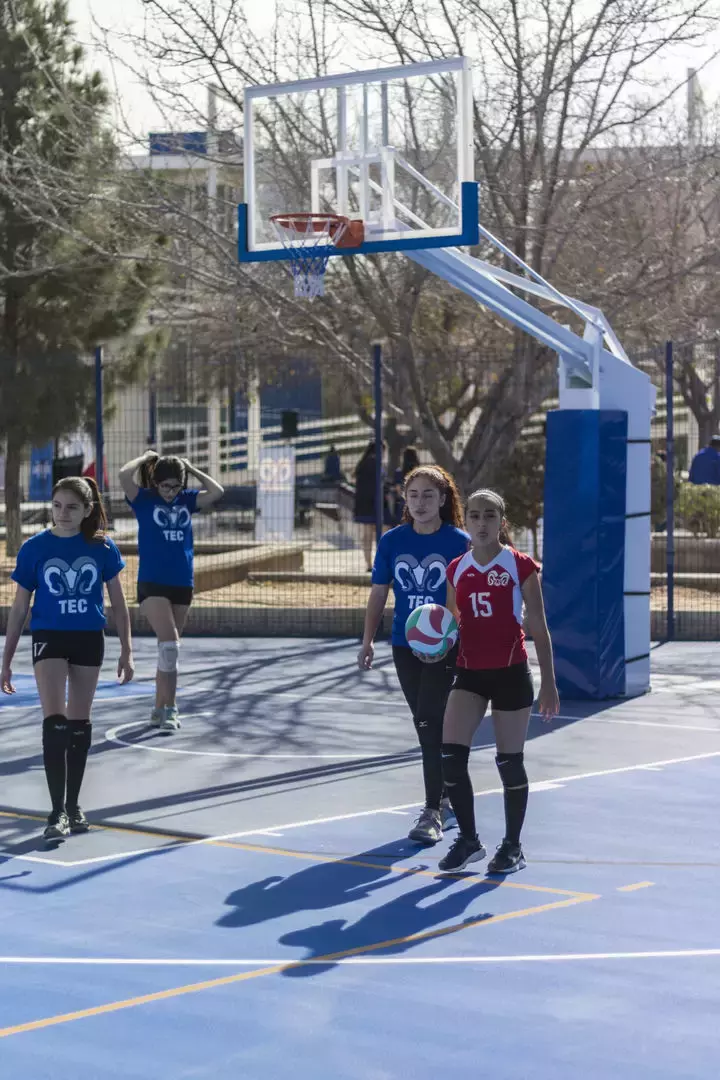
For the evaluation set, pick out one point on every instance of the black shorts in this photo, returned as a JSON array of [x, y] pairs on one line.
[[507, 688], [84, 648], [181, 595]]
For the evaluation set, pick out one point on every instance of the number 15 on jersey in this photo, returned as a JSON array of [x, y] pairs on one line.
[[482, 608]]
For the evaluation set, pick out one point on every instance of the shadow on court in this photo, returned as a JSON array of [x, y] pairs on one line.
[[404, 922]]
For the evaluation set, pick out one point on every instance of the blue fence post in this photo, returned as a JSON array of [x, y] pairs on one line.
[[670, 488], [379, 500], [99, 427]]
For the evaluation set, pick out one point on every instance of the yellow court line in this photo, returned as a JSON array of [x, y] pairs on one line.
[[180, 841], [637, 885], [228, 980], [392, 869]]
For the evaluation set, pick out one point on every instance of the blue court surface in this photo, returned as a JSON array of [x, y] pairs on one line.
[[248, 905]]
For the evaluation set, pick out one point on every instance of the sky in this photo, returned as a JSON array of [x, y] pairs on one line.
[[140, 113]]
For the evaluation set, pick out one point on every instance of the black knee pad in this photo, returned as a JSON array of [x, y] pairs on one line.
[[512, 770], [56, 733], [455, 759], [80, 735]]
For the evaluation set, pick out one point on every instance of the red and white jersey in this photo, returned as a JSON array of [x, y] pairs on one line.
[[490, 606]]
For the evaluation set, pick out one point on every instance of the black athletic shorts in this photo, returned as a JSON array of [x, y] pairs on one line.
[[84, 648], [507, 688], [177, 594]]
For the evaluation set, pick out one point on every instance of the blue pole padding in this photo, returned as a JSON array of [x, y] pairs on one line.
[[379, 501], [584, 550], [99, 427]]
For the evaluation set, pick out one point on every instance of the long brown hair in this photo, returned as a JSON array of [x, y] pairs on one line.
[[94, 526], [155, 470], [492, 497], [451, 509]]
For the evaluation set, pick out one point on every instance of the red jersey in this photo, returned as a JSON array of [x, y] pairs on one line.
[[490, 606]]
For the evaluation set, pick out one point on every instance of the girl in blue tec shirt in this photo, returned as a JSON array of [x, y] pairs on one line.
[[164, 507], [414, 558], [66, 568]]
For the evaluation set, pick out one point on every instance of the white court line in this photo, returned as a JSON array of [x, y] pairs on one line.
[[560, 780], [529, 958], [113, 736]]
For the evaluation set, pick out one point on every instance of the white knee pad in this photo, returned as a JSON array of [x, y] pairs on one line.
[[168, 655]]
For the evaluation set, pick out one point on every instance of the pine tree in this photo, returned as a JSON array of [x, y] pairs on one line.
[[67, 282]]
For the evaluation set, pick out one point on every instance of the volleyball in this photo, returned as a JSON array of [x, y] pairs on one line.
[[431, 631]]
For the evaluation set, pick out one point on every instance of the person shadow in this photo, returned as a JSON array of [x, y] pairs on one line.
[[321, 886], [391, 928]]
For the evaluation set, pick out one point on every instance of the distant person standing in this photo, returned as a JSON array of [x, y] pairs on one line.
[[364, 512], [410, 462], [333, 469], [705, 467]]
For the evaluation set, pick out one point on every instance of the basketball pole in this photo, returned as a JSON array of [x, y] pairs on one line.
[[99, 428], [379, 501]]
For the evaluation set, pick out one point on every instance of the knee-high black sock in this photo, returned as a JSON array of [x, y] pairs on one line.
[[455, 759], [515, 787], [55, 743], [432, 774], [77, 755]]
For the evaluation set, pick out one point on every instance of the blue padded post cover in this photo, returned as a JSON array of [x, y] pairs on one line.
[[584, 550]]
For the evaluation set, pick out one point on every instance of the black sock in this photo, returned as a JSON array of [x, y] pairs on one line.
[[455, 759], [432, 775], [515, 786], [77, 755], [55, 742]]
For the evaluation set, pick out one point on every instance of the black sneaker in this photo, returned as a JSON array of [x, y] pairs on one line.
[[461, 853], [58, 826], [78, 822], [507, 859]]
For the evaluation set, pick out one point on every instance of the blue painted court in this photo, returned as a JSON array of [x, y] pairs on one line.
[[248, 905]]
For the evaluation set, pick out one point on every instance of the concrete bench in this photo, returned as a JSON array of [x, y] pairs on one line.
[[217, 571]]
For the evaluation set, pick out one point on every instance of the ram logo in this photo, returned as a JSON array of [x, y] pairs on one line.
[[171, 517], [420, 577], [494, 578], [75, 580]]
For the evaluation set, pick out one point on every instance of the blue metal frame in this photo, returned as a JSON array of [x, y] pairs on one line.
[[468, 237]]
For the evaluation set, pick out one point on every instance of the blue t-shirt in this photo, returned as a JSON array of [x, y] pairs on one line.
[[705, 467], [165, 537], [416, 565], [67, 575]]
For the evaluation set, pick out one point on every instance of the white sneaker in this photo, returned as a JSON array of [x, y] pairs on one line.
[[170, 718]]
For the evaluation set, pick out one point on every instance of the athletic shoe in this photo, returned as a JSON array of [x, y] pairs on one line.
[[428, 828], [447, 814], [58, 826], [170, 720], [78, 822], [156, 717], [507, 859], [461, 853]]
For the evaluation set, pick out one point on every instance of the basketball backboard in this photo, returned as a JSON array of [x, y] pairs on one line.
[[391, 147]]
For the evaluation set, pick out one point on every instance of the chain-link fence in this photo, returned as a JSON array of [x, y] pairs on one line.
[[283, 552]]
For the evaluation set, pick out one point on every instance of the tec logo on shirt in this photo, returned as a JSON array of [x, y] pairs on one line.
[[71, 584], [417, 579], [172, 520], [494, 578]]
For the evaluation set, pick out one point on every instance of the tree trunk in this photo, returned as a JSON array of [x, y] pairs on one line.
[[13, 521]]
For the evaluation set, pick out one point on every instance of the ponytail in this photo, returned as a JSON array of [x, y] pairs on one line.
[[94, 526]]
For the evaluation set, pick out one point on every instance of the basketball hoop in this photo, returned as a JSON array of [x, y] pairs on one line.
[[308, 240]]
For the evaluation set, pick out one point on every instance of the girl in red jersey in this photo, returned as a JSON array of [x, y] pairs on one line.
[[490, 588]]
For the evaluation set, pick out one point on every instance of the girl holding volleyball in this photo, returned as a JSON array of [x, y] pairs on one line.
[[489, 587], [414, 558]]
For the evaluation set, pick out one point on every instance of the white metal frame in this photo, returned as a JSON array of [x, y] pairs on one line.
[[347, 165]]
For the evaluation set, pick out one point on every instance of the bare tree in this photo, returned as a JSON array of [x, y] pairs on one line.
[[573, 117]]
